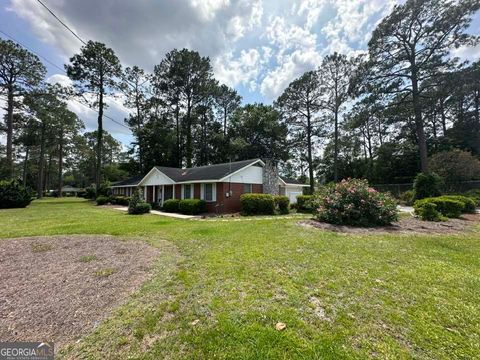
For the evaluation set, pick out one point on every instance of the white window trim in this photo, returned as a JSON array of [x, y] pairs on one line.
[[214, 192], [251, 188], [191, 191]]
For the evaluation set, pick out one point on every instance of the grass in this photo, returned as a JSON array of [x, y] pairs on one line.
[[340, 296], [39, 248], [88, 258], [105, 272]]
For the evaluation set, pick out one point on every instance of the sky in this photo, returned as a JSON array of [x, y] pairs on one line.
[[258, 47]]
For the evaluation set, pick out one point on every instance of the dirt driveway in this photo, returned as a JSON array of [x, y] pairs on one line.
[[58, 288]]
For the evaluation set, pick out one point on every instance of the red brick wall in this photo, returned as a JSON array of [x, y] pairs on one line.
[[178, 191], [196, 191], [227, 205]]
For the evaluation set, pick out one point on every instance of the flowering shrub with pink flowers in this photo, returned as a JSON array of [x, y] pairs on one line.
[[353, 202]]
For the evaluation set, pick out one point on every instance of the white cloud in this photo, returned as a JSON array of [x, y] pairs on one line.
[[470, 53], [60, 79], [115, 110], [244, 70], [296, 52]]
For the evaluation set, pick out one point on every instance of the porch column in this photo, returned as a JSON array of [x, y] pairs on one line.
[[173, 195], [163, 194], [145, 193], [153, 194]]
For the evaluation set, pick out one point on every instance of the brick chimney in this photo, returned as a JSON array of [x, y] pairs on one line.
[[270, 177]]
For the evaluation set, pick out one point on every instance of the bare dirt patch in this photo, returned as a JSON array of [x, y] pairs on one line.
[[406, 225], [49, 291]]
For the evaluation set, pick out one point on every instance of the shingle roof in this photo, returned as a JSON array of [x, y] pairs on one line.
[[208, 172], [133, 181], [291, 181]]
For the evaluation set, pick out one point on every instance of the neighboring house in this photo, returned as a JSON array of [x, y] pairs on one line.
[[220, 185]]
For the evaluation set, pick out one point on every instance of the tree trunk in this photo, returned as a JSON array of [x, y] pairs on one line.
[[224, 122], [477, 108], [177, 120], [60, 164], [25, 164], [10, 165], [188, 144], [139, 131], [444, 118], [309, 152], [46, 183], [41, 162], [335, 155], [417, 111], [98, 167]]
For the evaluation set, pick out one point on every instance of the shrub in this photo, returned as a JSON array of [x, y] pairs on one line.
[[104, 189], [102, 200], [90, 193], [257, 204], [428, 212], [406, 198], [474, 194], [171, 205], [14, 195], [353, 202], [192, 206], [140, 208], [427, 185], [119, 200], [137, 205], [304, 203], [469, 204], [445, 206], [282, 204]]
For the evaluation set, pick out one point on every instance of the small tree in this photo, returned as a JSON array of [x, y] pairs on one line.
[[427, 185], [14, 195], [455, 166], [137, 205]]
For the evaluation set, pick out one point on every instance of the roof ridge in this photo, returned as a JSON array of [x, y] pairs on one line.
[[203, 166]]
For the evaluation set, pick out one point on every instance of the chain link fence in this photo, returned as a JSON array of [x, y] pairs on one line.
[[397, 189]]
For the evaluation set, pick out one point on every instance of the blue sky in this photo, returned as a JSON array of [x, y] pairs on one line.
[[258, 47]]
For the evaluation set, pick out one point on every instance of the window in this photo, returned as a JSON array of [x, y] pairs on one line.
[[208, 192], [187, 191], [247, 188]]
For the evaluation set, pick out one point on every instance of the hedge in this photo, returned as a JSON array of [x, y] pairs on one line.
[[102, 200], [444, 205], [474, 194], [282, 204], [469, 204], [119, 200], [428, 212], [139, 208], [257, 204], [304, 203], [192, 206], [14, 195], [171, 205]]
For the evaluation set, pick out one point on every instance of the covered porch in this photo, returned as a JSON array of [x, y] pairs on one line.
[[158, 194]]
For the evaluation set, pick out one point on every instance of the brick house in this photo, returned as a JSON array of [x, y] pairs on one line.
[[220, 185]]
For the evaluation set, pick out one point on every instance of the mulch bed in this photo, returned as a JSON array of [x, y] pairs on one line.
[[407, 225], [58, 288]]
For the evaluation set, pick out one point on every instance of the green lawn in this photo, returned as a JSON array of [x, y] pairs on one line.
[[341, 296]]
